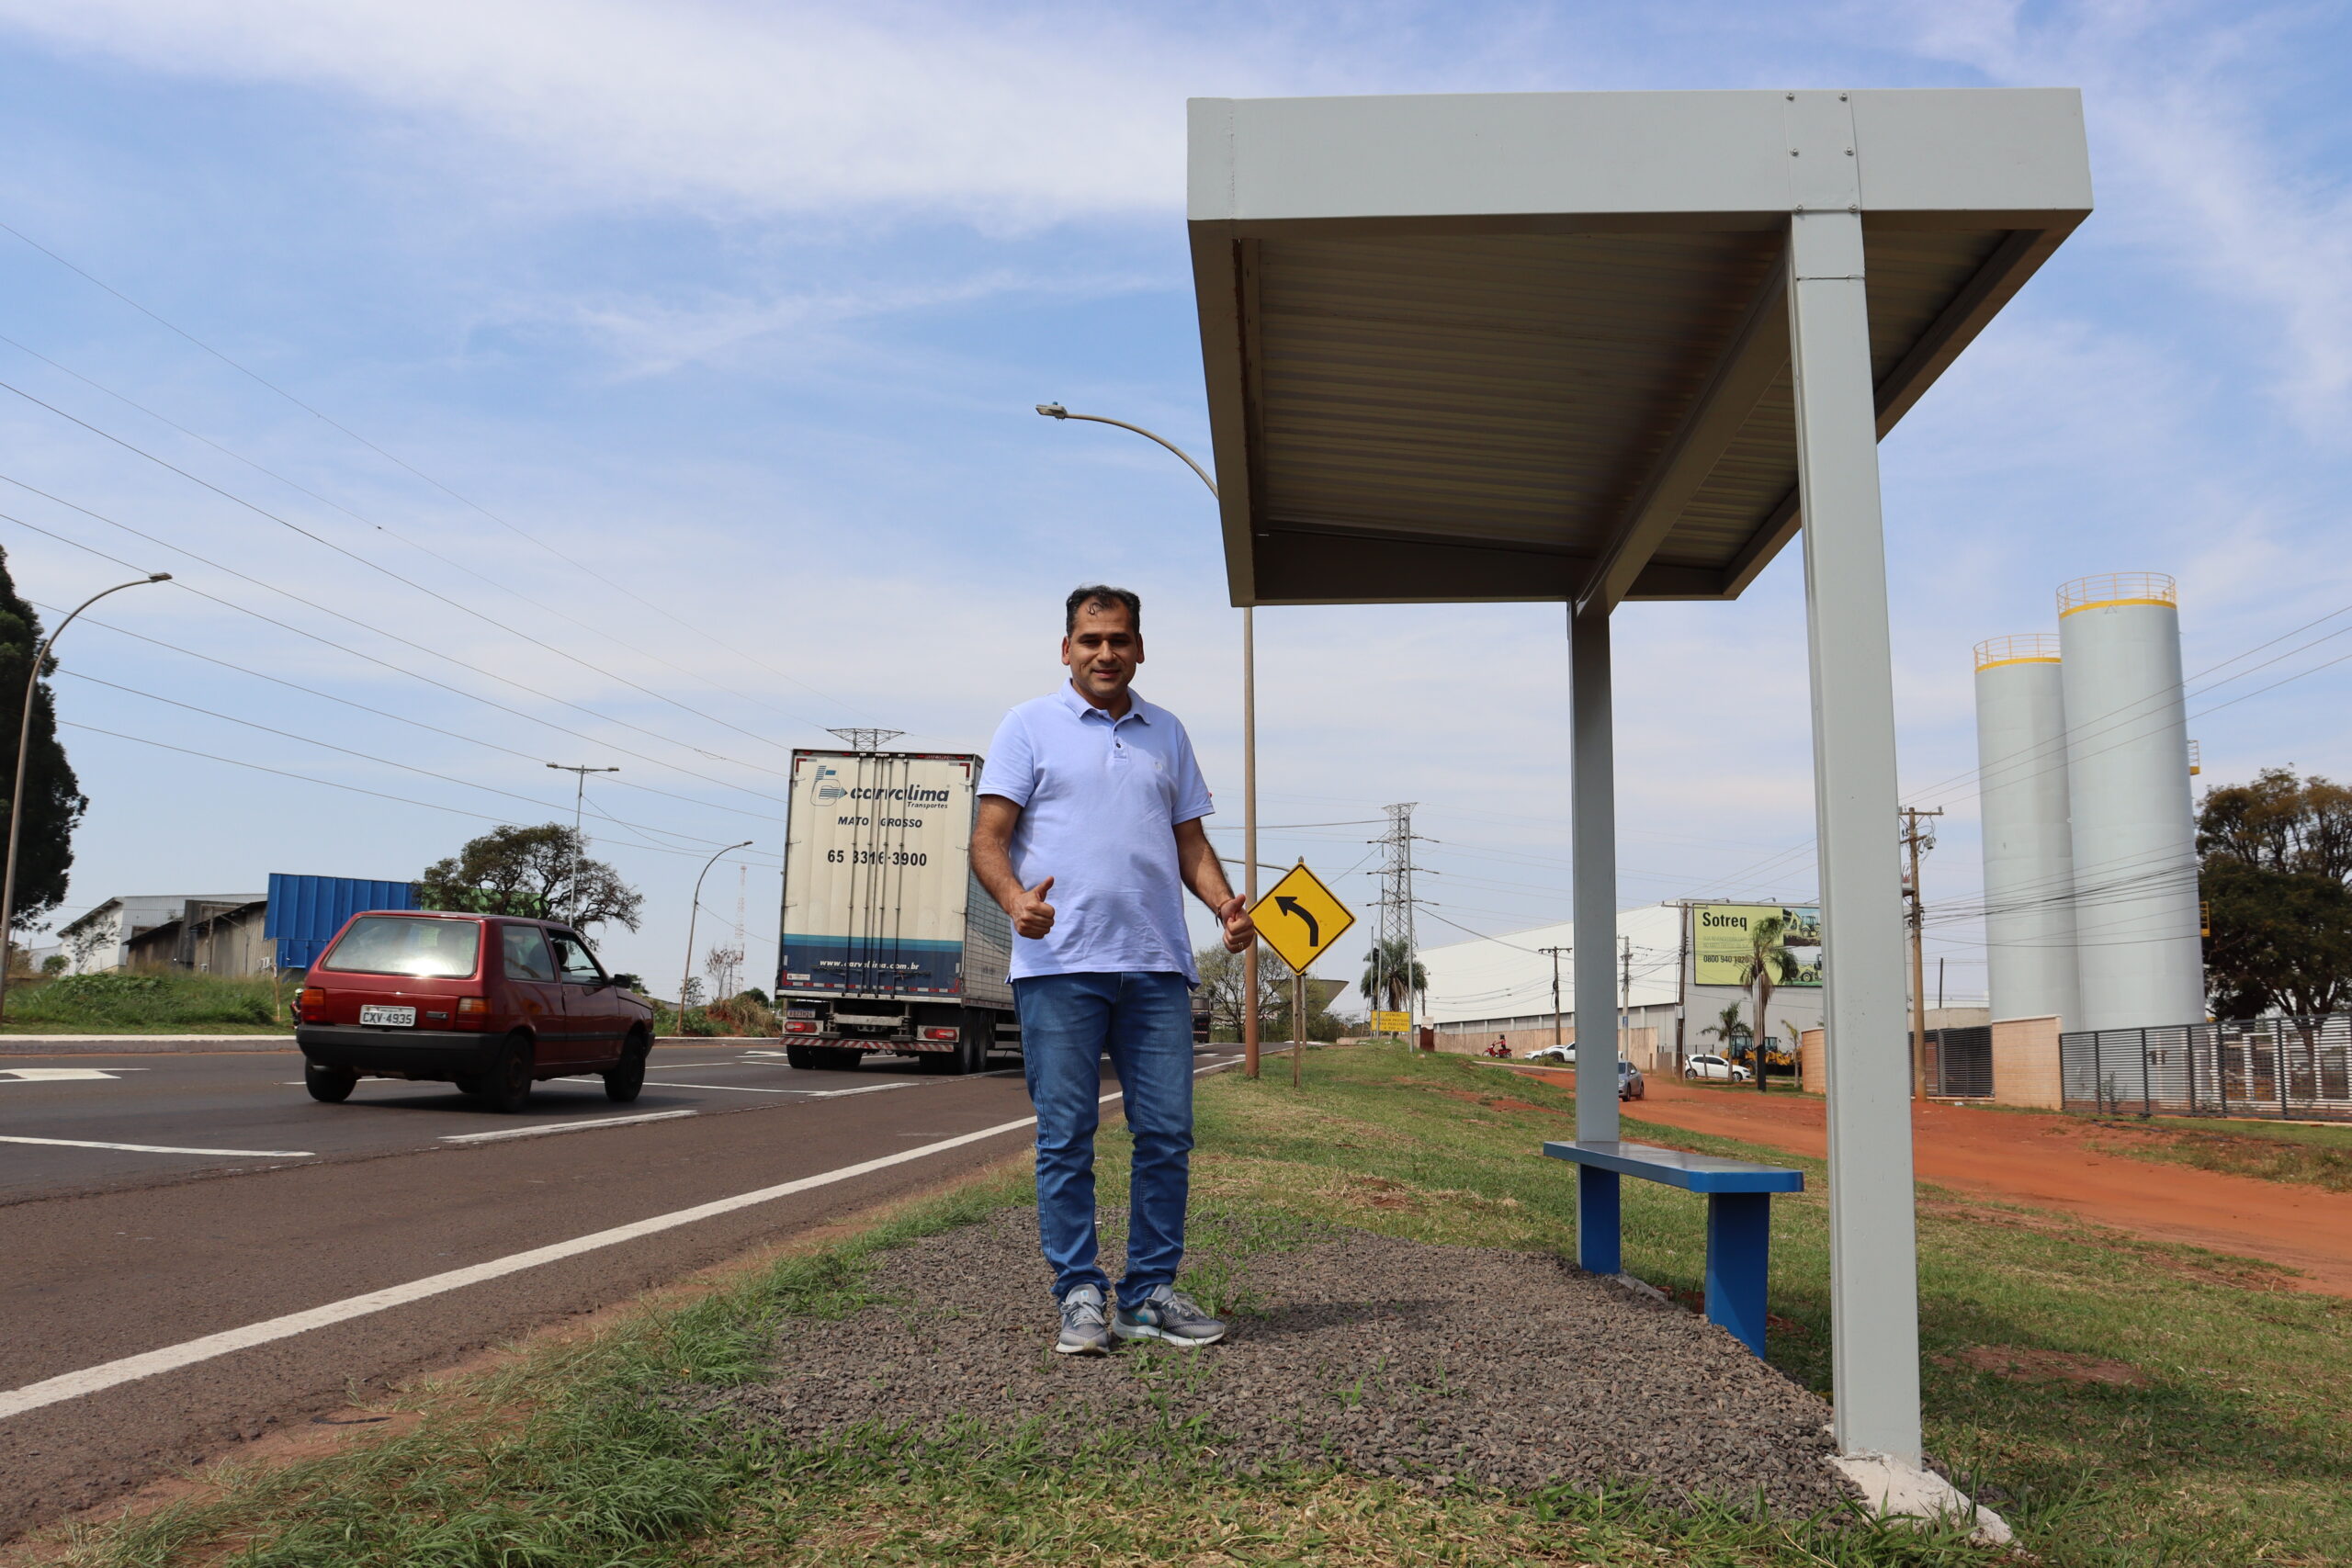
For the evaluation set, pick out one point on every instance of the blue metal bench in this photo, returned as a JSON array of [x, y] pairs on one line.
[[1739, 1219]]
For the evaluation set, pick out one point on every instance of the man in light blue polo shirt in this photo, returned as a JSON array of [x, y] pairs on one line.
[[1089, 833]]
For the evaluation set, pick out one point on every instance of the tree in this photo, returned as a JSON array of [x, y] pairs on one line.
[[2275, 870], [1221, 984], [1727, 1029], [53, 799], [535, 870], [1766, 965], [1391, 968]]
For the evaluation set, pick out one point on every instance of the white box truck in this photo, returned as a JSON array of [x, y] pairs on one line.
[[890, 943]]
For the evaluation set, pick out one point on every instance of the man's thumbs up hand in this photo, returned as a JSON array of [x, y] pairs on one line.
[[1032, 915]]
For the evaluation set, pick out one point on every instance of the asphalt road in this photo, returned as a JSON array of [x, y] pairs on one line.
[[201, 1253]]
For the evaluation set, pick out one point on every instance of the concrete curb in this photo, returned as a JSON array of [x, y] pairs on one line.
[[136, 1045]]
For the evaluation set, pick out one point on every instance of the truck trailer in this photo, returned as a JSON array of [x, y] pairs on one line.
[[889, 943]]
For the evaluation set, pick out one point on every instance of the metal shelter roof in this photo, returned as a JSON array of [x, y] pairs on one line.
[[1535, 347]]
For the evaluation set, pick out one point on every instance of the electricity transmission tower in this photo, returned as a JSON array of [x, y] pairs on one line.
[[858, 738], [1395, 949]]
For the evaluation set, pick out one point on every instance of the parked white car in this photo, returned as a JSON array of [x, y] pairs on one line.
[[1566, 1054], [1714, 1067]]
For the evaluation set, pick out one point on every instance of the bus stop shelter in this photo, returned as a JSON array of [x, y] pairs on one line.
[[1603, 347]]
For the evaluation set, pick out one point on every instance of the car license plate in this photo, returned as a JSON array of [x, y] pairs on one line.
[[394, 1018]]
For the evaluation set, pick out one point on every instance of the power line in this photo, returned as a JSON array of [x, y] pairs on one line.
[[330, 746], [395, 717], [181, 583], [383, 528], [403, 464], [487, 619], [304, 778]]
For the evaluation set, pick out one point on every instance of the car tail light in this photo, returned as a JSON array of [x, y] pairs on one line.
[[473, 1007], [939, 1034], [800, 1026], [310, 1004]]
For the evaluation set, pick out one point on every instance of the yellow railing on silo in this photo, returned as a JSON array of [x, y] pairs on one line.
[[2117, 588], [2028, 648]]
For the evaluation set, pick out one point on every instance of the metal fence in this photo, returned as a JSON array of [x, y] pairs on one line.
[[1960, 1063], [2294, 1067]]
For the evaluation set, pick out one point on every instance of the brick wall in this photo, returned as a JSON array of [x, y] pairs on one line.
[[2024, 1063]]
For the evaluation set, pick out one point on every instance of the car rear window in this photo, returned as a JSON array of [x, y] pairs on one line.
[[405, 944]]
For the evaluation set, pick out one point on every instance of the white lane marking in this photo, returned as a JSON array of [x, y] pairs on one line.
[[837, 1093], [109, 1374], [546, 1128], [660, 1083], [60, 1074], [166, 1149], [150, 1364]]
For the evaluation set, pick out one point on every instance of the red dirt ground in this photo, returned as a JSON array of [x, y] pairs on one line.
[[2046, 1159]]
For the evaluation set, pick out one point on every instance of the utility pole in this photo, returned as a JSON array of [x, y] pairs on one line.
[[1681, 982], [1917, 840], [1558, 953], [1625, 1001], [579, 801]]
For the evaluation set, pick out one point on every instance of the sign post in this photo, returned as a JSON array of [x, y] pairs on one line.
[[1300, 920]]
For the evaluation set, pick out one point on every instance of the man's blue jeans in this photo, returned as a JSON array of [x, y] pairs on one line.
[[1145, 1022]]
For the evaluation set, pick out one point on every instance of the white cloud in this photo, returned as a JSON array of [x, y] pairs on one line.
[[2175, 98], [770, 108]]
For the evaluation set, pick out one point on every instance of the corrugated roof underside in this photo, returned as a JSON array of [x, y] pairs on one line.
[[1403, 390], [1510, 389]]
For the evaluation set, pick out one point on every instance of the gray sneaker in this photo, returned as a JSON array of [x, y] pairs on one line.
[[1083, 1333], [1166, 1314]]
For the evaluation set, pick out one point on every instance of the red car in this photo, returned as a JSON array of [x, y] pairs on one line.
[[491, 1003]]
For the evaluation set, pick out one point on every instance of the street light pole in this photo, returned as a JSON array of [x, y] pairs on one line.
[[24, 746], [692, 910], [1248, 747], [579, 802]]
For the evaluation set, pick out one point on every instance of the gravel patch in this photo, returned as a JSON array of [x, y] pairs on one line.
[[1434, 1364]]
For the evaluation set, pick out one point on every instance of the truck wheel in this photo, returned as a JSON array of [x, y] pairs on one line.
[[328, 1086], [507, 1084]]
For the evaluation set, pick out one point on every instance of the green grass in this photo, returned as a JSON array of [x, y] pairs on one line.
[[2305, 1154], [129, 1003], [2229, 1447]]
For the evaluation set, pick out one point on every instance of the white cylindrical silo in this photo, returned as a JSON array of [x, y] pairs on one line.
[[2029, 849], [2138, 954]]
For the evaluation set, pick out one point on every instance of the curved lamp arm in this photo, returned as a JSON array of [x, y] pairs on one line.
[[24, 744], [1056, 410], [695, 909]]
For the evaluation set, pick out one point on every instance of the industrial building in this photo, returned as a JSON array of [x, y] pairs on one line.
[[1503, 986], [2089, 826]]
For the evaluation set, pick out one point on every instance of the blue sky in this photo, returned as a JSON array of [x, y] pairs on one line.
[[708, 336]]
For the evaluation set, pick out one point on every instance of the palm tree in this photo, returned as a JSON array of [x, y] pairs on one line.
[[1727, 1029], [1391, 976], [1767, 965]]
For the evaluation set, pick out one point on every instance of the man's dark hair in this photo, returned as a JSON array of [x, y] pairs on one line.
[[1105, 596]]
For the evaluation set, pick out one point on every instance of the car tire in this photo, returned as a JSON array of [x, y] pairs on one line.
[[623, 1083], [1689, 1072], [328, 1086], [507, 1084]]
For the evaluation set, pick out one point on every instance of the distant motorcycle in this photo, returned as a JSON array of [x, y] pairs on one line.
[[1500, 1048]]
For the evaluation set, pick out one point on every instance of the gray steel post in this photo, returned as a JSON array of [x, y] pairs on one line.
[[1873, 1259], [1593, 906]]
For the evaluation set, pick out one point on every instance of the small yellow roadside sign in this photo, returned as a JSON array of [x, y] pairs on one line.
[[1391, 1022], [1299, 918]]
